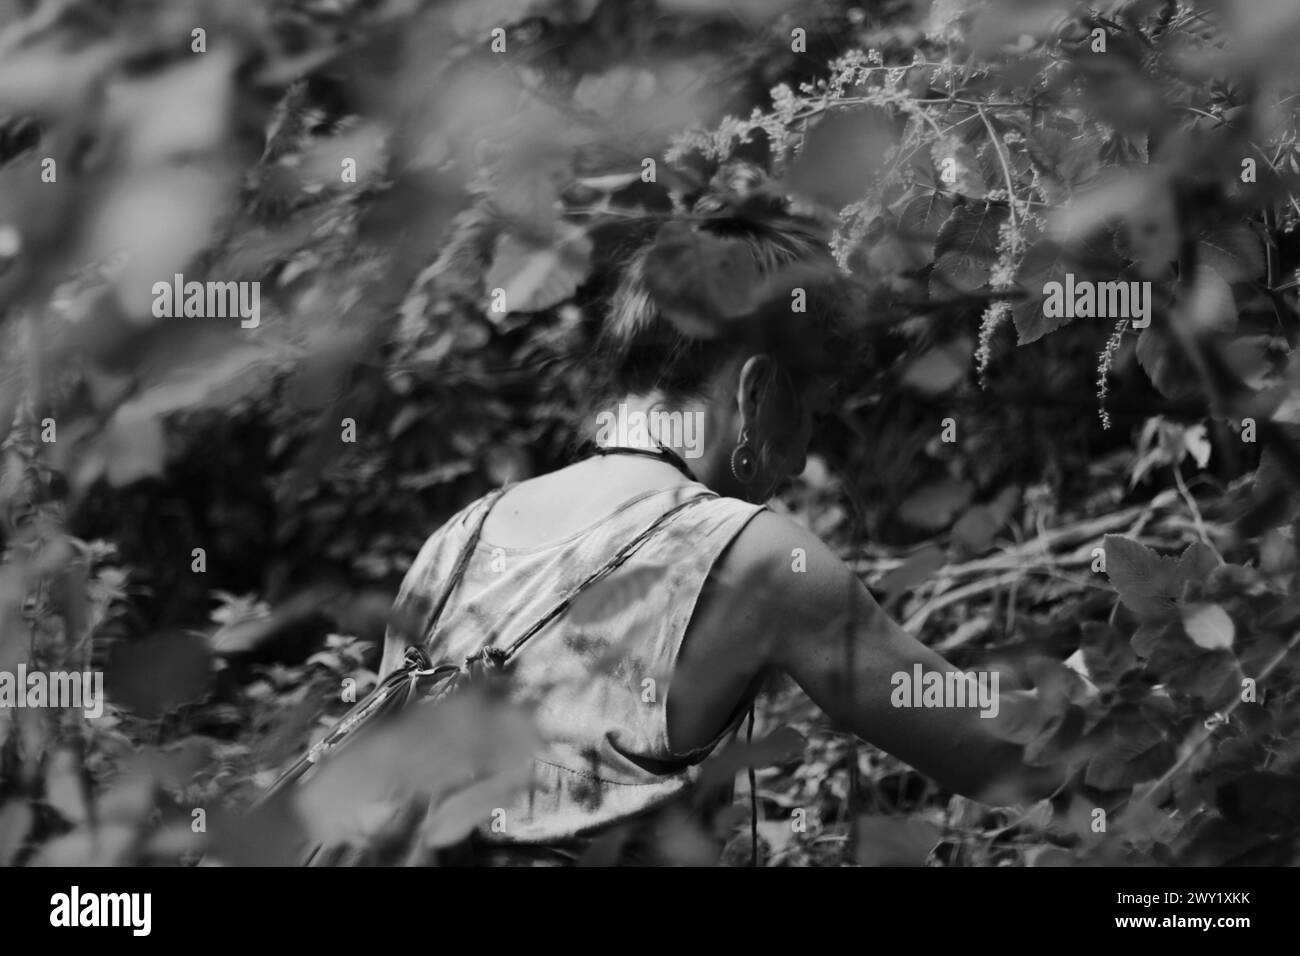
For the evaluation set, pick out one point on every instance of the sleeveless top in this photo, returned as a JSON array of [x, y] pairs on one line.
[[599, 679]]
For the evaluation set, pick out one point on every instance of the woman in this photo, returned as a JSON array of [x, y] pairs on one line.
[[635, 691]]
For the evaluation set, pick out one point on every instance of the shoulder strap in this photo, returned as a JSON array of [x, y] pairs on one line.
[[462, 560], [499, 656]]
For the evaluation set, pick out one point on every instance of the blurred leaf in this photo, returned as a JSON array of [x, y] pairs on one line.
[[1042, 263], [159, 219], [965, 248], [1133, 752], [935, 505], [107, 845], [894, 841], [1206, 303], [155, 675], [1208, 625], [176, 113], [915, 569], [1106, 652], [1270, 801], [538, 277], [1234, 252], [920, 222], [428, 754], [700, 280], [46, 81], [65, 788], [752, 12], [621, 590], [15, 822], [842, 155], [1147, 582], [941, 368], [134, 447]]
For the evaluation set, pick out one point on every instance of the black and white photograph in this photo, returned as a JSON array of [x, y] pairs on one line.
[[642, 434]]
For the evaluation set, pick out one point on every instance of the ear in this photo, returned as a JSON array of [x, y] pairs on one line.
[[756, 377]]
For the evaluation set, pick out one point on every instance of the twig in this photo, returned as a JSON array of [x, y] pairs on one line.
[[913, 623], [1205, 733], [1196, 512], [1068, 534], [1006, 172]]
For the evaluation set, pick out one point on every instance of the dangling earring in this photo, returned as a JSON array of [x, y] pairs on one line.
[[744, 463]]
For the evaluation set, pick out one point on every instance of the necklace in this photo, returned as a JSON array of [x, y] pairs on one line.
[[661, 453]]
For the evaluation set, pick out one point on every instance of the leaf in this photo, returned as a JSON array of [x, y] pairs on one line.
[[65, 790], [753, 12], [1212, 679], [1042, 263], [538, 277], [15, 820], [941, 368], [107, 845], [1166, 366], [894, 841], [43, 80], [176, 113], [618, 592], [1066, 158], [1207, 303], [1235, 253], [701, 281], [1197, 562], [923, 217], [1270, 801], [159, 673], [134, 447], [958, 167], [1142, 199], [429, 753], [842, 155], [1147, 582], [1134, 752], [1197, 442], [526, 186], [159, 219], [976, 529], [917, 568], [200, 381], [1106, 653], [935, 505], [615, 91], [1208, 625], [966, 247]]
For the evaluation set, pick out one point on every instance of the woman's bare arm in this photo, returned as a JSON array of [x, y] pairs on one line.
[[822, 626]]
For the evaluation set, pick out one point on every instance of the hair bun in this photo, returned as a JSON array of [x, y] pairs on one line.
[[740, 185]]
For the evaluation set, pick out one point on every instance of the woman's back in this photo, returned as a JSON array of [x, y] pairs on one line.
[[599, 676]]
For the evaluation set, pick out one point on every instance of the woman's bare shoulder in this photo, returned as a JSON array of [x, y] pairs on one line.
[[795, 575]]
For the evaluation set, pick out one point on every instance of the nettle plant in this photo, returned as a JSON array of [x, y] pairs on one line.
[[1037, 165]]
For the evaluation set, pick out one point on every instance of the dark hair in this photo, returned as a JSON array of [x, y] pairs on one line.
[[639, 350]]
